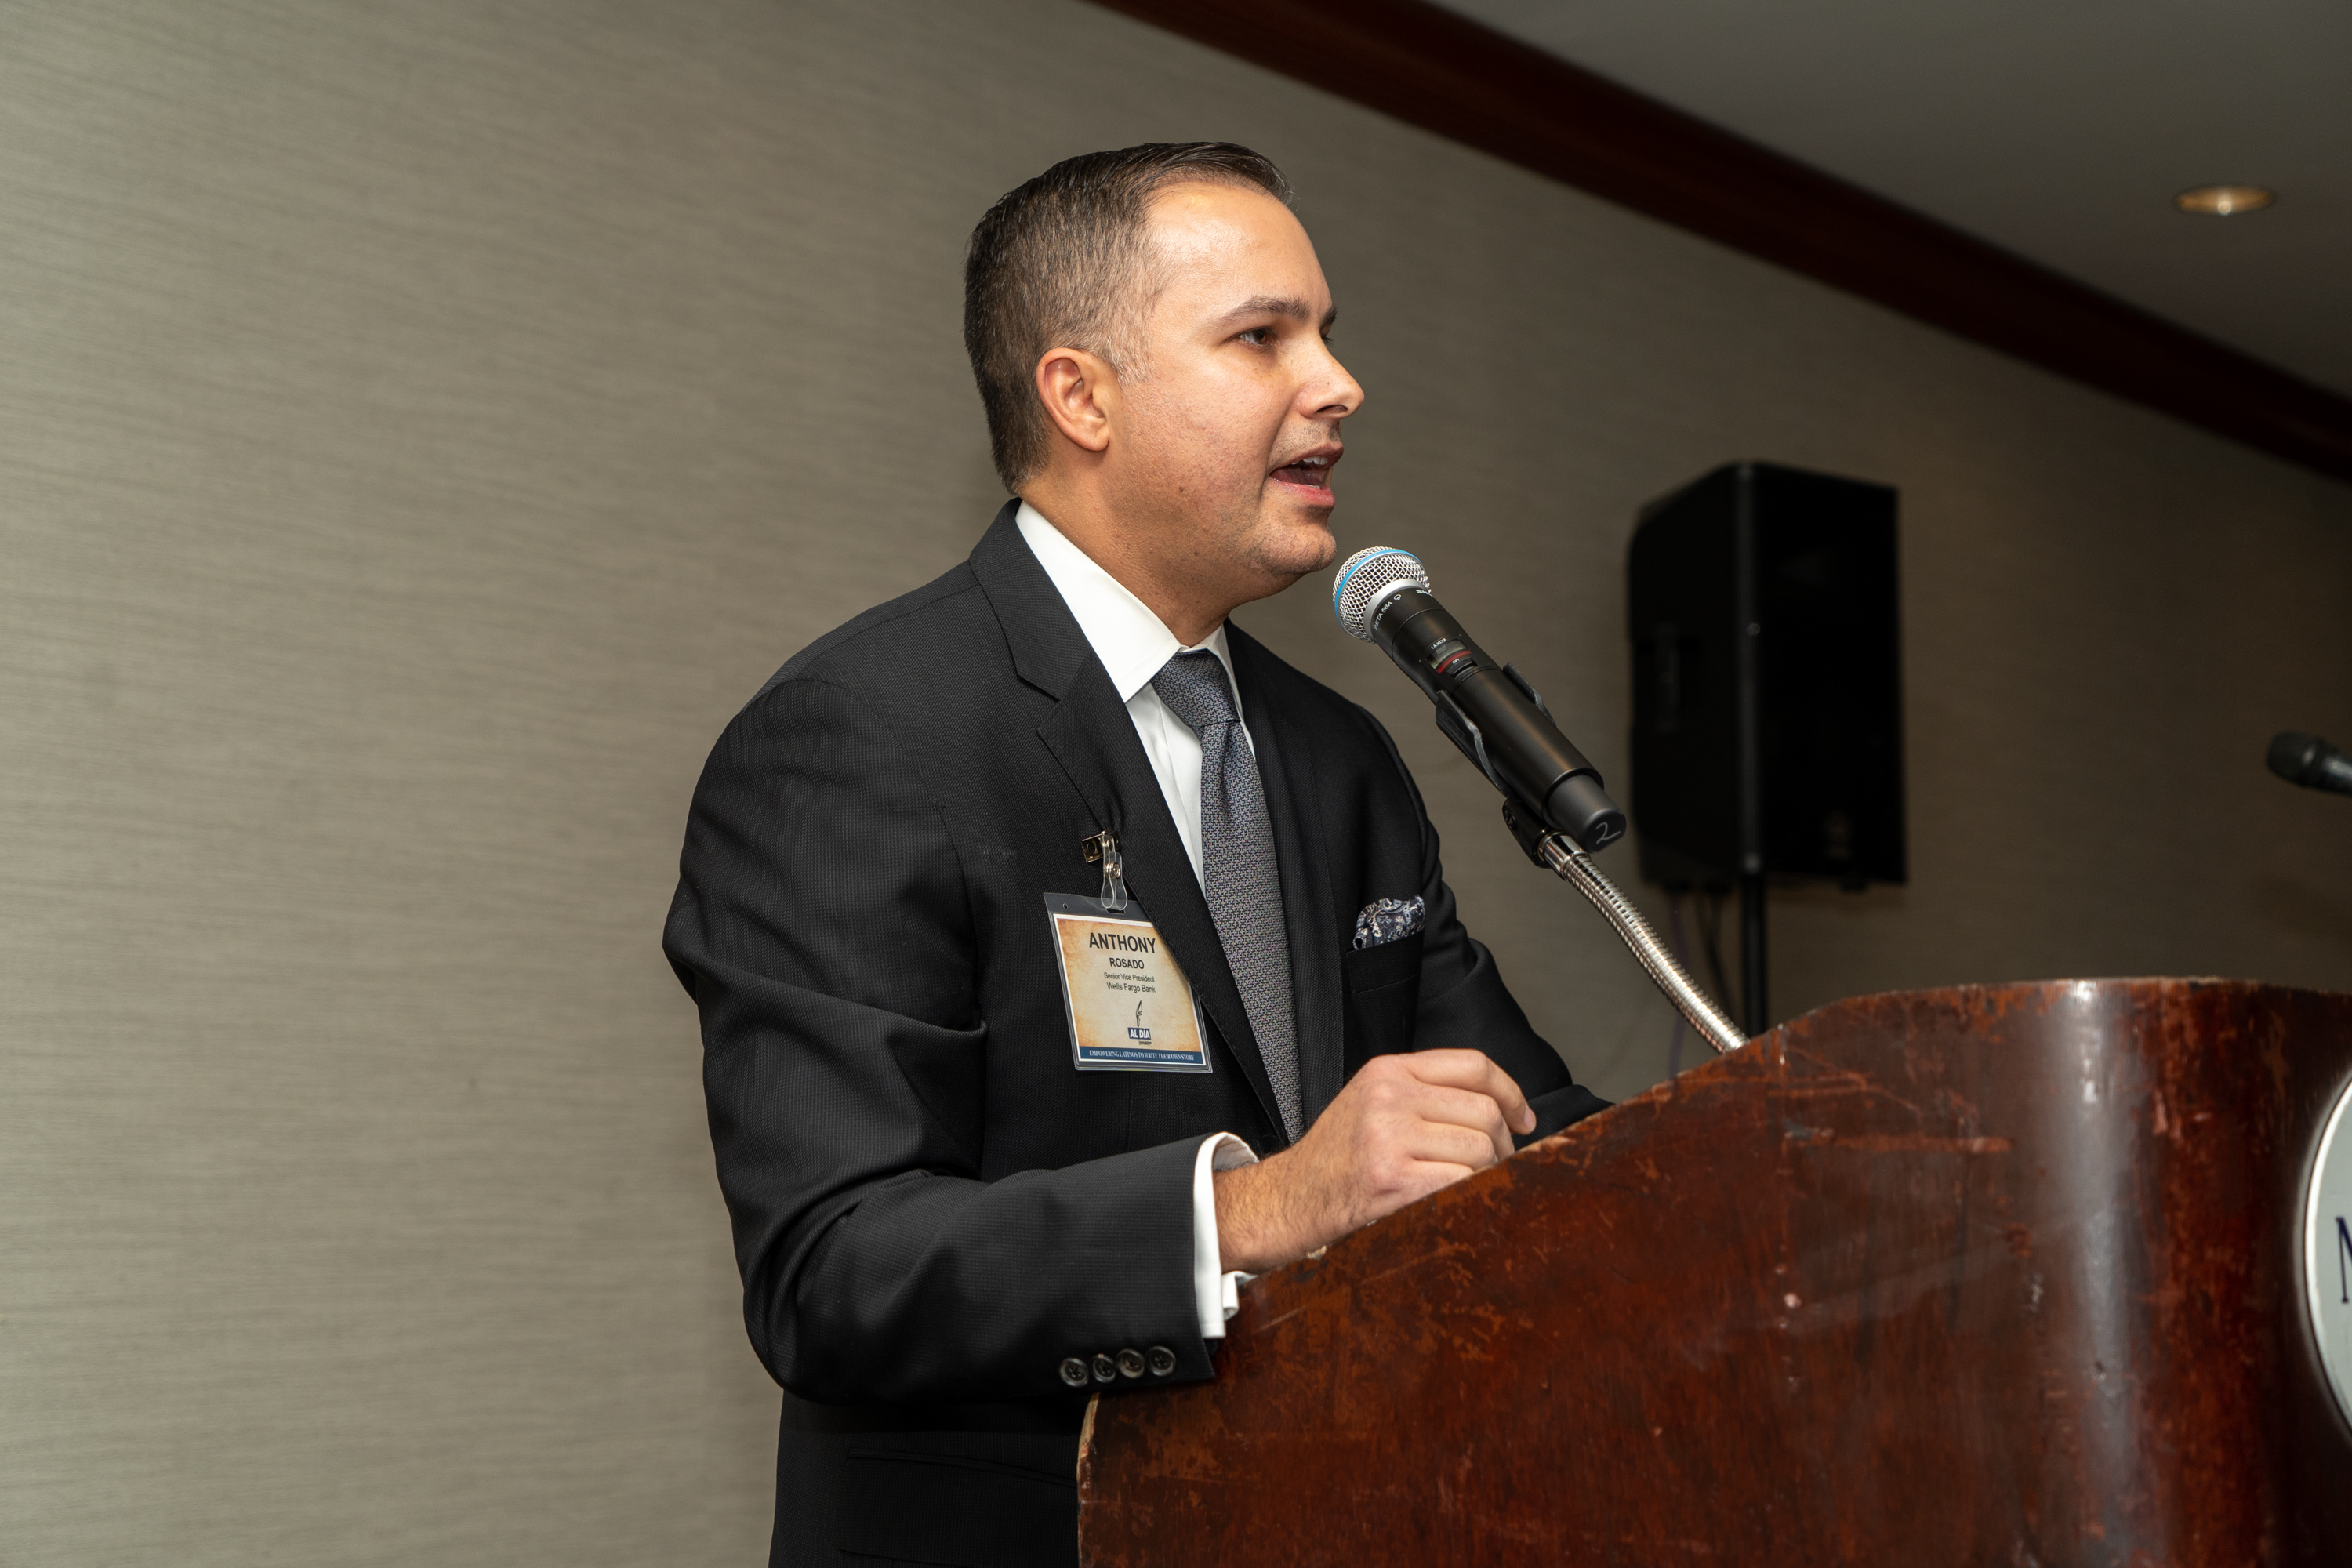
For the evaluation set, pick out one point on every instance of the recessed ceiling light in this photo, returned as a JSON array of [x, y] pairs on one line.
[[2221, 201]]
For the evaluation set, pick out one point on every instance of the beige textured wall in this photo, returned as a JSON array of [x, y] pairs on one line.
[[421, 425]]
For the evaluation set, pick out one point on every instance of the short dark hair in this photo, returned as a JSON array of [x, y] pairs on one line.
[[1052, 262]]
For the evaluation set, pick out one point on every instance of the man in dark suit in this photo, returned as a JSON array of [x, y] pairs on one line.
[[961, 1203]]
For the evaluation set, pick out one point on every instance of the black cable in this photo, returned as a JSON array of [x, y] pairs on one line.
[[1709, 931], [1674, 929]]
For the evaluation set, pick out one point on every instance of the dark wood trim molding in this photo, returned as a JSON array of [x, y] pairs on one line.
[[1446, 73]]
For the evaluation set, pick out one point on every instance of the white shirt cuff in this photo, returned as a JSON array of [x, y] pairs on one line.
[[1215, 1294]]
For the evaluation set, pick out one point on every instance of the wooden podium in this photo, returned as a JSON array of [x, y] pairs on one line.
[[1997, 1274]]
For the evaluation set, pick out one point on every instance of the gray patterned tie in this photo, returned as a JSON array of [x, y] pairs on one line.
[[1237, 865]]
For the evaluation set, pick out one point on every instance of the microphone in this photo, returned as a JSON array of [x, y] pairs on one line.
[[2309, 761], [1488, 709]]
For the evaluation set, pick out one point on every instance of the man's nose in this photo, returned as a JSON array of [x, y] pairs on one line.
[[1332, 393]]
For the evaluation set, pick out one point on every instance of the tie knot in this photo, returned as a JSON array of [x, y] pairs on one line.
[[1194, 686]]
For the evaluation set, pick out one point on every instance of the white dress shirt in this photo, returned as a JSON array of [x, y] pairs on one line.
[[1133, 643]]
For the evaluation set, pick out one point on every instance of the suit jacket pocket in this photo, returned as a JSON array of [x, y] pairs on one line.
[[1383, 998], [956, 1510]]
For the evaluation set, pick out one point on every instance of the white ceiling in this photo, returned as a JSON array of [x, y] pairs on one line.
[[2060, 131]]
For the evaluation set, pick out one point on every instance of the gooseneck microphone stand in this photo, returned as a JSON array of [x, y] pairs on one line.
[[1575, 865], [1572, 865]]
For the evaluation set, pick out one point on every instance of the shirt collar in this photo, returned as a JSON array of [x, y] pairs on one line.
[[1131, 642]]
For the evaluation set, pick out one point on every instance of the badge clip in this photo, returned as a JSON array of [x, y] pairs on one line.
[[1104, 847]]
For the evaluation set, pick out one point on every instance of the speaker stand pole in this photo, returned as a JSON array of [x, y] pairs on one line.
[[1754, 1016]]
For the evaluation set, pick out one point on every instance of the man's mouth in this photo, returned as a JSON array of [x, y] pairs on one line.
[[1310, 473]]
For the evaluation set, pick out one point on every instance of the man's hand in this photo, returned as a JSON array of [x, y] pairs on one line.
[[1406, 1125]]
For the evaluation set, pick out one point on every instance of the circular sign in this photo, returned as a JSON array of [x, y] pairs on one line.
[[2327, 1251]]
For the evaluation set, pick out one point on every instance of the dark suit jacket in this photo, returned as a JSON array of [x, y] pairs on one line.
[[932, 1208]]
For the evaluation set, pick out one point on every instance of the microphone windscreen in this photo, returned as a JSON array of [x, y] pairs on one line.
[[1365, 581], [2294, 756]]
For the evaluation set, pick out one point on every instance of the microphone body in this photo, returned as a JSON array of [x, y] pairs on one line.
[[2309, 761], [1485, 707]]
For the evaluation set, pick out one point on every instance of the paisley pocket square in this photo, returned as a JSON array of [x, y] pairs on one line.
[[1384, 920]]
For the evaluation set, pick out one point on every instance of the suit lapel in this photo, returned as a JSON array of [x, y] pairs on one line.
[[1091, 736], [1288, 770]]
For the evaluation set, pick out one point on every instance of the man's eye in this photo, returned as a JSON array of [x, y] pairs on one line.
[[1258, 337]]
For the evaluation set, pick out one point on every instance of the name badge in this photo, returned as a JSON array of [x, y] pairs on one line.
[[1131, 1008]]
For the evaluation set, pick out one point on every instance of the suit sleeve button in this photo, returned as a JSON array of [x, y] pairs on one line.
[[1163, 1361], [1074, 1373], [1130, 1363], [1106, 1369]]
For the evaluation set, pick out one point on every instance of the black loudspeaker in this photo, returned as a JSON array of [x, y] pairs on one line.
[[1768, 691]]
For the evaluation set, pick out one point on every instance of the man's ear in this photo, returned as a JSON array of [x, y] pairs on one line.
[[1080, 392]]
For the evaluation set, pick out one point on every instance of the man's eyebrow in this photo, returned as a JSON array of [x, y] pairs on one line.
[[1279, 305]]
